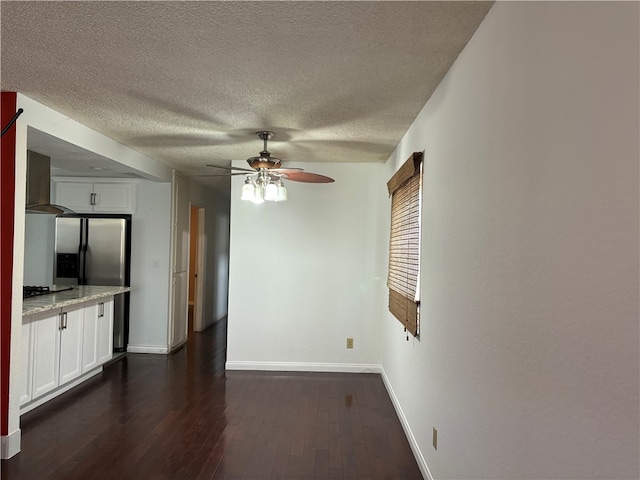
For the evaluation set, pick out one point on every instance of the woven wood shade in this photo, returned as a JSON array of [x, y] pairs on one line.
[[404, 244]]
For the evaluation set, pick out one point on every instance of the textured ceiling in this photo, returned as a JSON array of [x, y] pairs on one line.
[[188, 83]]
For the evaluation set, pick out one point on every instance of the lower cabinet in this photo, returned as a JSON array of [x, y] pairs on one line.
[[98, 333], [71, 343], [26, 361], [46, 329], [105, 331], [90, 337], [60, 345]]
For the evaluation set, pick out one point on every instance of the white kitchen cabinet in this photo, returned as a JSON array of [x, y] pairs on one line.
[[74, 195], [46, 351], [90, 334], [63, 347], [95, 197], [26, 362], [71, 343], [57, 348], [105, 330]]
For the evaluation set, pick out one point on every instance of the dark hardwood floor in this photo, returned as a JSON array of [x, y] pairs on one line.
[[184, 417]]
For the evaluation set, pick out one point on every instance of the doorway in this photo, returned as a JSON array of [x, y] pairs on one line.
[[196, 268]]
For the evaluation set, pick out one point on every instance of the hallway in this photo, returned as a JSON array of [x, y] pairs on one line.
[[183, 417]]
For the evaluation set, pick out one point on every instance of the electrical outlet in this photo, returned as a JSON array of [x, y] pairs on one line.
[[349, 342], [435, 438]]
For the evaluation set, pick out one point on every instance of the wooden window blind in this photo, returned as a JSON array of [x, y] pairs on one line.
[[405, 188]]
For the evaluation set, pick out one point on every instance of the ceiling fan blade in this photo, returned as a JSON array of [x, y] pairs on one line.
[[230, 174], [232, 168], [307, 177], [286, 170]]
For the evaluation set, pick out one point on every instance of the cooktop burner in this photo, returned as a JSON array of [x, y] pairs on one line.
[[34, 291]]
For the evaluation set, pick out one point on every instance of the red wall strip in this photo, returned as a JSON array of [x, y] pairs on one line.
[[7, 201]]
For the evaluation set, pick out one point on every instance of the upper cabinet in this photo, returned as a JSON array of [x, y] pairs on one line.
[[95, 196]]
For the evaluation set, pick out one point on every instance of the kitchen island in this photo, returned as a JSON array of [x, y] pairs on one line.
[[67, 338], [77, 294]]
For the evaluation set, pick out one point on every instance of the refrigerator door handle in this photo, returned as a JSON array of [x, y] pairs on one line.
[[84, 225], [80, 255]]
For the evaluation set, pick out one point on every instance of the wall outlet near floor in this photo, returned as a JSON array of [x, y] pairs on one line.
[[435, 438], [349, 342]]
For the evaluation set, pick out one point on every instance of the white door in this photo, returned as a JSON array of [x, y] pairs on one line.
[[181, 225], [180, 306], [71, 343], [46, 346], [26, 362], [90, 336], [180, 263], [105, 331]]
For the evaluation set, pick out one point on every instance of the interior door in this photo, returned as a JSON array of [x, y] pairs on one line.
[[180, 305], [180, 260]]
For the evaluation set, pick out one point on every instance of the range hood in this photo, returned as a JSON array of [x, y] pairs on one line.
[[39, 186]]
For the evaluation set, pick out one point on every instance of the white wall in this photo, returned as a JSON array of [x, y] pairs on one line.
[[528, 358], [302, 274], [216, 280], [39, 240], [150, 268]]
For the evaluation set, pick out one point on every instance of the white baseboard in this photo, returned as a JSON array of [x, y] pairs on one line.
[[147, 349], [60, 390], [422, 464], [217, 319], [10, 444], [304, 367]]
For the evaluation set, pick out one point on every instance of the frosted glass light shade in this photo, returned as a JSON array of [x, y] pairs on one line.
[[271, 192], [282, 193], [248, 191], [258, 196]]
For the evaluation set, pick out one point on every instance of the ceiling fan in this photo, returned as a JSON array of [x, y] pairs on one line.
[[264, 179]]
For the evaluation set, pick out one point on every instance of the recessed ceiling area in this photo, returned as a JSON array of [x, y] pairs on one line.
[[189, 83], [68, 160]]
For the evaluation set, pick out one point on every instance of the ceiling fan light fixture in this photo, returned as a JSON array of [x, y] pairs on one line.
[[264, 179]]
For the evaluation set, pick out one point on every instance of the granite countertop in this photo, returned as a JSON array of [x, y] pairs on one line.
[[79, 294]]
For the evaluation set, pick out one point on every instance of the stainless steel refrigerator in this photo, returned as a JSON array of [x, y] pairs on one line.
[[95, 250]]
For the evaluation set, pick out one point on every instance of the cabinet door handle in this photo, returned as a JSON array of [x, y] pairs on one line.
[[101, 310], [93, 199], [61, 326], [65, 319]]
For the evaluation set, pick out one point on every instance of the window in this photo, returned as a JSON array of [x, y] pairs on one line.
[[405, 188]]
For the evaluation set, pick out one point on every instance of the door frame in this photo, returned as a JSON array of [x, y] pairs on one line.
[[198, 304]]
